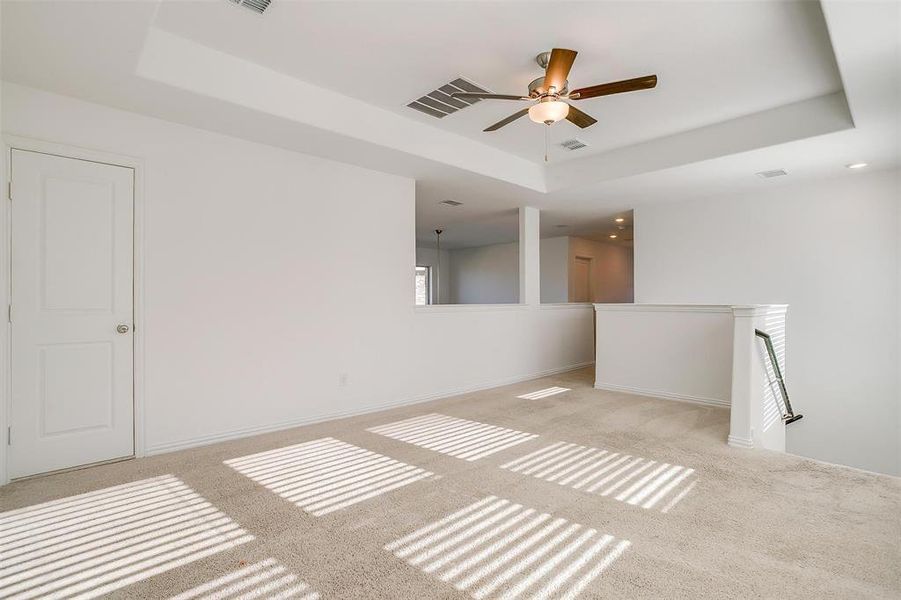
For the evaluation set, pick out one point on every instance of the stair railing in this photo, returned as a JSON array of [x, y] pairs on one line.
[[790, 416]]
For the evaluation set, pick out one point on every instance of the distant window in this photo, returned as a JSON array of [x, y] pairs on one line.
[[423, 286]]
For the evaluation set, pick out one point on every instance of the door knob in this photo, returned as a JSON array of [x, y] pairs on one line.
[[123, 328]]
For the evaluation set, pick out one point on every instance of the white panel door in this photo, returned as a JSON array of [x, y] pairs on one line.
[[72, 317], [581, 279]]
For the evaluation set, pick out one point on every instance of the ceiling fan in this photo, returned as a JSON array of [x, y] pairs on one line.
[[549, 92]]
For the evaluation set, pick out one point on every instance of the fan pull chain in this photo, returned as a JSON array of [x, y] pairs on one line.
[[547, 134]]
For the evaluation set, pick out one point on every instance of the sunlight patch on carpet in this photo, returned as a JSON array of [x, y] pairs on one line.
[[88, 545], [631, 479], [265, 579], [494, 548], [326, 475], [460, 438], [545, 393]]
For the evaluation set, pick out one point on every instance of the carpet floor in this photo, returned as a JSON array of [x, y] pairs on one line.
[[542, 489]]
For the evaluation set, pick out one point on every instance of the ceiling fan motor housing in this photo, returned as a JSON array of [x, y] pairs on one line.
[[537, 88]]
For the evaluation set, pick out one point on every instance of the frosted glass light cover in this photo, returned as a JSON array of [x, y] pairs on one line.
[[545, 112]]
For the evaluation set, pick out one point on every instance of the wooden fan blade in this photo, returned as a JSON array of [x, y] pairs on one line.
[[508, 120], [558, 66], [579, 118], [615, 87], [486, 96]]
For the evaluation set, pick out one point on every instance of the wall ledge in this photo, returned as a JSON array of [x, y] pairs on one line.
[[609, 387], [565, 305], [456, 308], [164, 447], [739, 310], [754, 310], [705, 308]]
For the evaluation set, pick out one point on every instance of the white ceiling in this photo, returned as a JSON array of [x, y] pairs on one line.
[[715, 61], [744, 87]]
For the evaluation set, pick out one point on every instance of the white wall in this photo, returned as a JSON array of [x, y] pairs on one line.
[[485, 274], [678, 352], [248, 322], [611, 269], [428, 257], [829, 250], [555, 269], [490, 274]]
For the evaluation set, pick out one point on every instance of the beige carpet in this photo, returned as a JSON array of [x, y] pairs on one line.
[[577, 492]]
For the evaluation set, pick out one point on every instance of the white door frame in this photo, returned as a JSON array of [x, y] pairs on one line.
[[13, 142]]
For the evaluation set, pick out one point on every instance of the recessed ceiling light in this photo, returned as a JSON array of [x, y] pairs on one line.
[[612, 236], [619, 219], [859, 165]]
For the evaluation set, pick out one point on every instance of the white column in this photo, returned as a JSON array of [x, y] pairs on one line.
[[741, 427], [755, 420], [529, 256]]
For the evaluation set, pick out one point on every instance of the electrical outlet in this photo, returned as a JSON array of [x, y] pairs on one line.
[[342, 379]]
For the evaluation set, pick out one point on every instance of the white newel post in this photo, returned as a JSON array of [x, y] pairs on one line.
[[741, 428], [529, 256], [755, 420]]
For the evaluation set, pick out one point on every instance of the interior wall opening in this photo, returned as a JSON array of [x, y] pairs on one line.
[[468, 260], [587, 260]]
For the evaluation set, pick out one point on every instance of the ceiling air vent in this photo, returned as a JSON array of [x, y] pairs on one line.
[[451, 203], [257, 6], [574, 144], [771, 174], [438, 103]]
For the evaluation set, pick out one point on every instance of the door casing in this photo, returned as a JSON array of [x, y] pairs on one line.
[[11, 142]]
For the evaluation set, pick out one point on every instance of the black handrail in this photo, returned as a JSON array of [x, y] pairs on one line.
[[790, 416]]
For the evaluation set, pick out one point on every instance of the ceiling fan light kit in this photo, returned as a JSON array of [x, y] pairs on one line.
[[548, 111], [548, 93]]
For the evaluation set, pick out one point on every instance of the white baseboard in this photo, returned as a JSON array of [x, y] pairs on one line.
[[739, 442], [259, 429], [664, 395]]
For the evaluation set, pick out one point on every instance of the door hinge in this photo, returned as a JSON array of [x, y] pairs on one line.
[[9, 190], [9, 313], [9, 436]]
